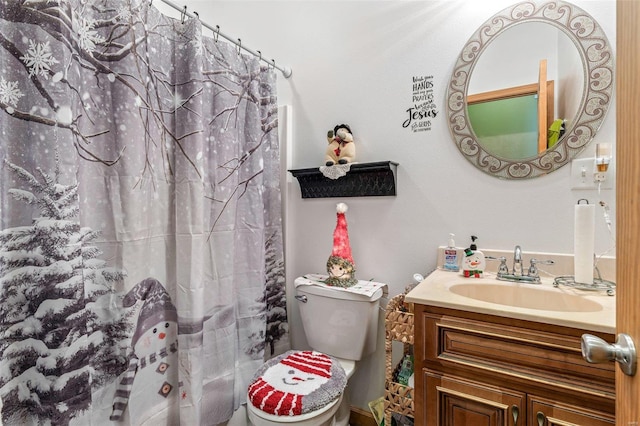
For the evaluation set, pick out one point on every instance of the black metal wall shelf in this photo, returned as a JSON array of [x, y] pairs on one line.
[[362, 180]]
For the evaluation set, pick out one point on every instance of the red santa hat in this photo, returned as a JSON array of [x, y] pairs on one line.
[[310, 362], [341, 247]]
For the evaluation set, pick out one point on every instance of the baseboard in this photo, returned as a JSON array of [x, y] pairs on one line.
[[360, 417]]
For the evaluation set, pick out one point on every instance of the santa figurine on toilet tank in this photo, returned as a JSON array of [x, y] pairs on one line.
[[340, 266]]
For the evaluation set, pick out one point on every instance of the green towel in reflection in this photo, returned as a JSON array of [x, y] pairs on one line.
[[554, 132]]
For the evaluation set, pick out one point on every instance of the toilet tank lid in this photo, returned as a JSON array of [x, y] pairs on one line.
[[368, 291]]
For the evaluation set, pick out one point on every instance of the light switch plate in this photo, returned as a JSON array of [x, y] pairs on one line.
[[582, 175]]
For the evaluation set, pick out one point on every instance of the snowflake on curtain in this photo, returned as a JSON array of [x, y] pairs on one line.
[[39, 59], [9, 92], [87, 36], [197, 44], [124, 13]]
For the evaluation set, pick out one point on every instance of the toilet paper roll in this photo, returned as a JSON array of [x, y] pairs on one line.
[[583, 243]]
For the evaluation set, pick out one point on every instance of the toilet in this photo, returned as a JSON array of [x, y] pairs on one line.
[[341, 323]]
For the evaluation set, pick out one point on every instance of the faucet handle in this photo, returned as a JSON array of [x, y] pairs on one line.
[[502, 269], [533, 269]]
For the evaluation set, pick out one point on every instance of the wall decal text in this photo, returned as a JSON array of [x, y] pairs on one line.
[[423, 108]]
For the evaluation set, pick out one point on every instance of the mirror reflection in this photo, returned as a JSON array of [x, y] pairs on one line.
[[523, 90], [530, 89], [512, 123]]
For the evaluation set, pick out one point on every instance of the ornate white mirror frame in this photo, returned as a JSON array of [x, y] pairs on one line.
[[597, 60]]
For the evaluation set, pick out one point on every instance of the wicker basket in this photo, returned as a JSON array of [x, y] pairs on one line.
[[398, 327], [399, 320]]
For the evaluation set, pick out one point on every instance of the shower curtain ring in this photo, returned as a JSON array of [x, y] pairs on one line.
[[273, 63], [239, 46], [260, 55], [197, 15], [183, 14], [216, 33]]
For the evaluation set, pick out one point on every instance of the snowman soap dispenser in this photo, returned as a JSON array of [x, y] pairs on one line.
[[473, 262]]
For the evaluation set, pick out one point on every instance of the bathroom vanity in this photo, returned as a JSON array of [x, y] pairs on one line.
[[509, 353]]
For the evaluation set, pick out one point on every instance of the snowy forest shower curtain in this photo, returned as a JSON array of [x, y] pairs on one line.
[[141, 261]]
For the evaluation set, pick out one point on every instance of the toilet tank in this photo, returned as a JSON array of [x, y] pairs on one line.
[[337, 322]]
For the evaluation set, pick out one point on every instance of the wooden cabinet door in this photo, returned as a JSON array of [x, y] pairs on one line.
[[452, 401], [545, 412]]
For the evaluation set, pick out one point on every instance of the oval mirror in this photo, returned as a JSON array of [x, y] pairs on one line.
[[552, 58]]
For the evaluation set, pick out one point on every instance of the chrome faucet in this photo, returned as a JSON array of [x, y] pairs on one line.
[[517, 261], [518, 273]]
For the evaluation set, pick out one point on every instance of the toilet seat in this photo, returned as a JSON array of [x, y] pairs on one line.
[[308, 383]]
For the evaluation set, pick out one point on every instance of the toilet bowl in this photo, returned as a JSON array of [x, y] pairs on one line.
[[338, 323]]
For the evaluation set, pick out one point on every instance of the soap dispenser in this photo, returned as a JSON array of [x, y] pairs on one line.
[[473, 262], [451, 262]]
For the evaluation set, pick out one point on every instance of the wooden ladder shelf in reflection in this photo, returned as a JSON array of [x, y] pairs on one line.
[[543, 123]]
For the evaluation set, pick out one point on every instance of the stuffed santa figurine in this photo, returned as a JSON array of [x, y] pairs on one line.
[[340, 266]]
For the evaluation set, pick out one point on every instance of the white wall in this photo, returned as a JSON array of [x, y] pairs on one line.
[[353, 62]]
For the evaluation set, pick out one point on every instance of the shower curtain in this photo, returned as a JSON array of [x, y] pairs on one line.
[[141, 260]]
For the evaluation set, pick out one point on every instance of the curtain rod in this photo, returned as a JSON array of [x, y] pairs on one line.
[[286, 71]]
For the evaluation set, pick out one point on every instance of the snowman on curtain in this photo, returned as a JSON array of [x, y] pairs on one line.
[[150, 389]]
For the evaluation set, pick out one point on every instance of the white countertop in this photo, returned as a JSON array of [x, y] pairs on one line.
[[436, 290]]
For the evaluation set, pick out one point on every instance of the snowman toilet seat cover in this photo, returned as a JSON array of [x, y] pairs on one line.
[[297, 382]]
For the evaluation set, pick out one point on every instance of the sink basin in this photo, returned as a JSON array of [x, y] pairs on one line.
[[564, 305], [528, 297]]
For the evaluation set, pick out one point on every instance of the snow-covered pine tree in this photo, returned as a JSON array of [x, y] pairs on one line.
[[58, 333], [276, 297], [274, 300]]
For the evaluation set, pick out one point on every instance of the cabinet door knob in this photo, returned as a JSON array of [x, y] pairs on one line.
[[515, 412], [540, 418], [596, 350]]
